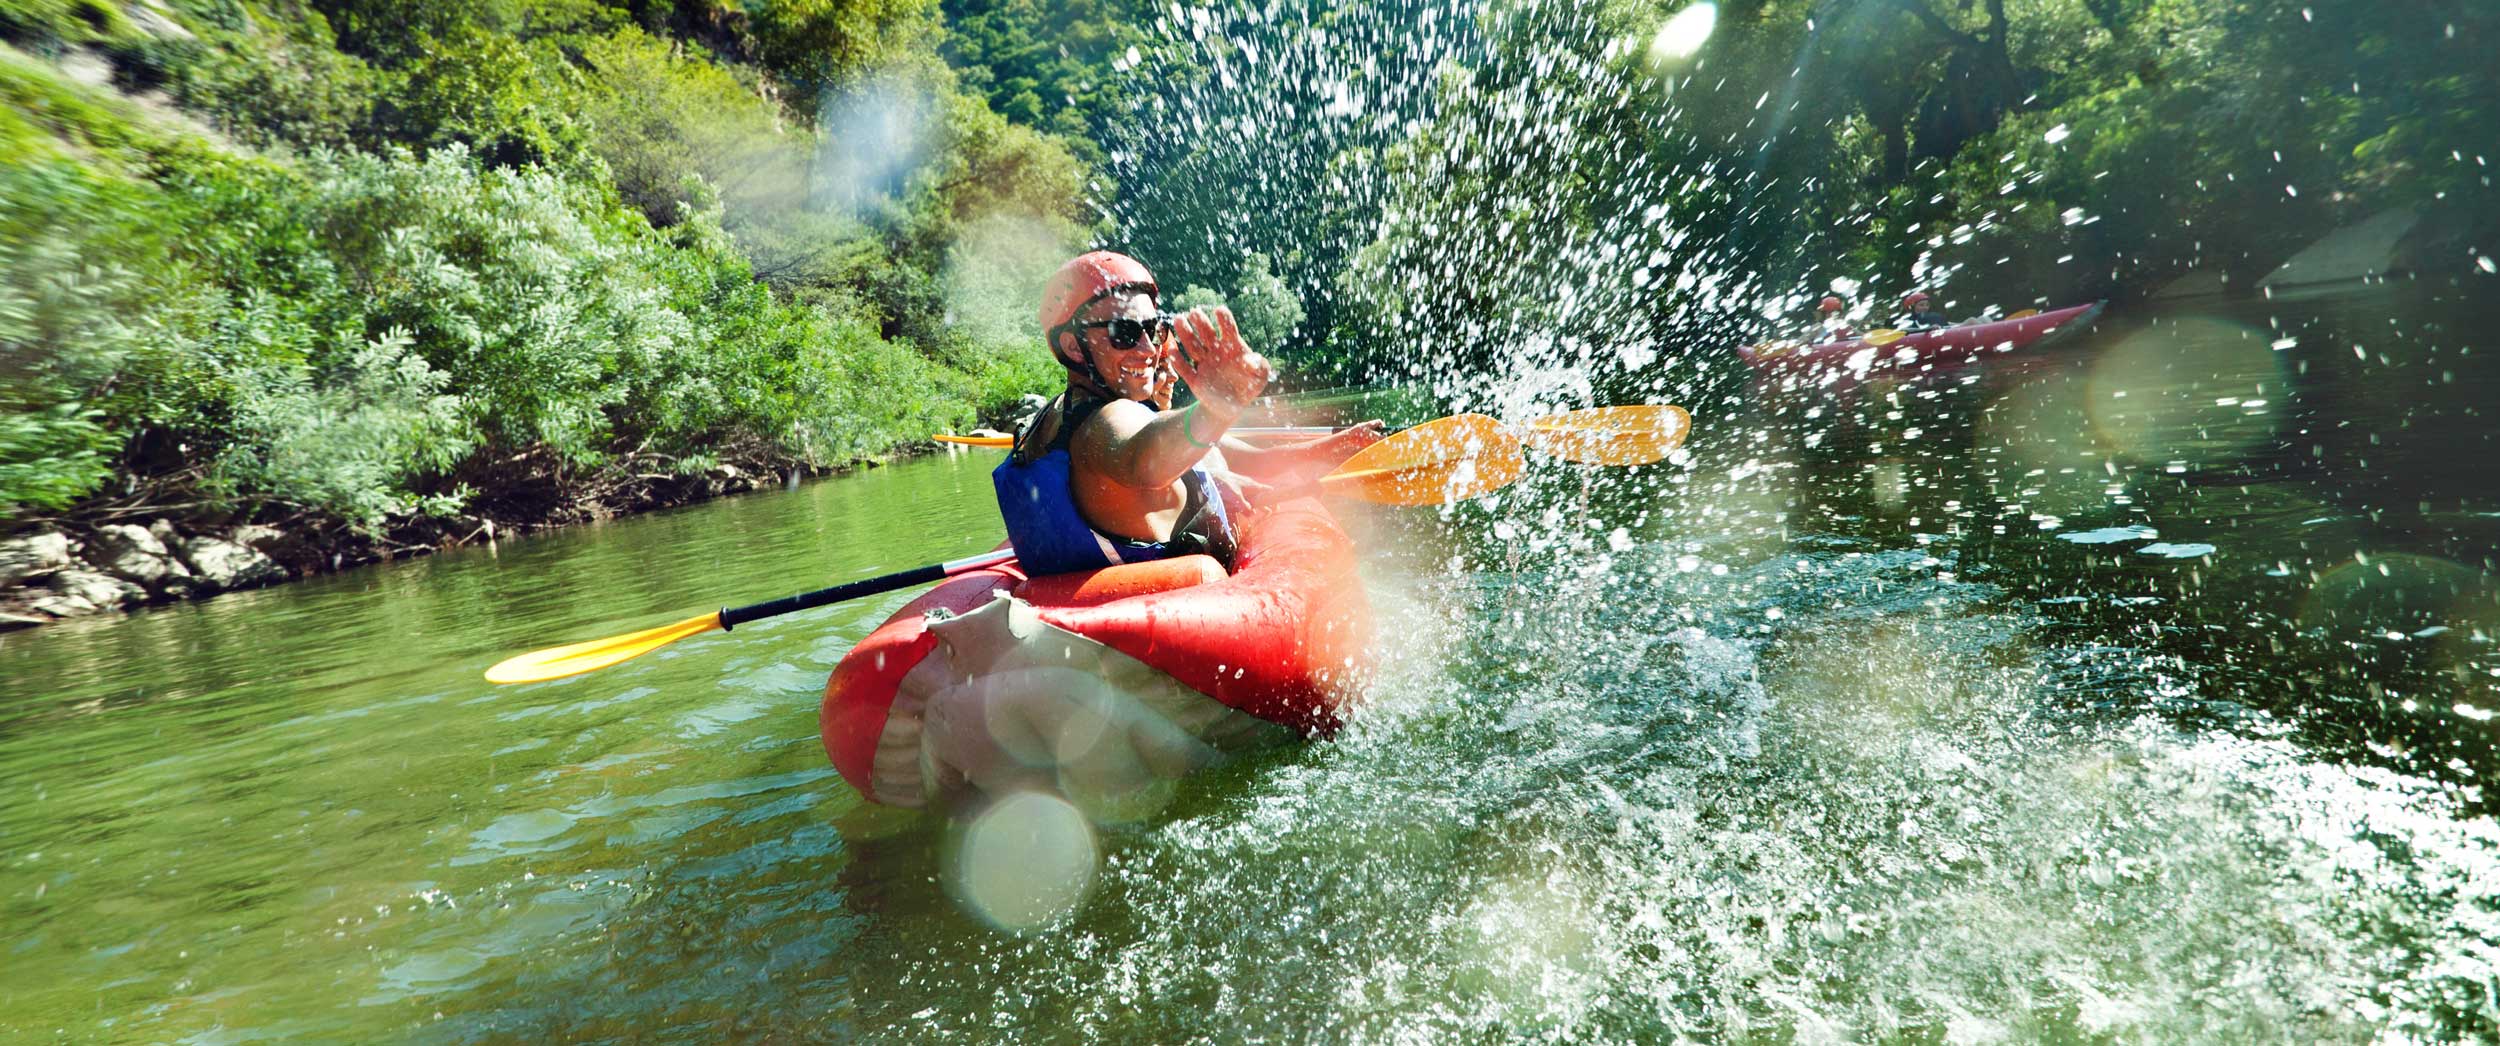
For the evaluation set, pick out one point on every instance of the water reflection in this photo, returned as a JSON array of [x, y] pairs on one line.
[[2226, 492]]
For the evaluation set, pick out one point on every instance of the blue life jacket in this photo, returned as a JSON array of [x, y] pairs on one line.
[[1051, 537]]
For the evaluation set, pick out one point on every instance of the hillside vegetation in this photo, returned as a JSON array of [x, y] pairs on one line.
[[390, 271]]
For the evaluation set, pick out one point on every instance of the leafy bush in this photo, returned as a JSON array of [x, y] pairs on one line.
[[347, 441], [264, 89], [658, 116], [65, 290], [1266, 310]]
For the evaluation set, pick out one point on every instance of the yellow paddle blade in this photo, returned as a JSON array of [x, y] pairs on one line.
[[975, 441], [2022, 314], [1883, 336], [1635, 435], [1448, 459], [572, 659]]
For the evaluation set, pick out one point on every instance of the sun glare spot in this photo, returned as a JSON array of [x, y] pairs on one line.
[[1683, 35]]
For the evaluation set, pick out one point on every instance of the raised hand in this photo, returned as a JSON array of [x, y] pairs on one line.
[[1226, 374]]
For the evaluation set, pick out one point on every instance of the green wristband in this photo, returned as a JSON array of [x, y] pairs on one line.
[[1188, 416]]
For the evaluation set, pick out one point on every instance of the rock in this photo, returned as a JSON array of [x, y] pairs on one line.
[[287, 549], [134, 554], [34, 556], [58, 606], [97, 591], [259, 537], [226, 564]]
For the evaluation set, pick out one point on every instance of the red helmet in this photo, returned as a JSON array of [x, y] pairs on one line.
[[1914, 298], [1833, 303], [1087, 279]]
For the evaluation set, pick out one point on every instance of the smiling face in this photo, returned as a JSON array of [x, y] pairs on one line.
[[1133, 372]]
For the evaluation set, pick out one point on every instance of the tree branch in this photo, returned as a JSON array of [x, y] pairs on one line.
[[1935, 22]]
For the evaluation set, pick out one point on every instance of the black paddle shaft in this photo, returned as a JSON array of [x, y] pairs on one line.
[[732, 617]]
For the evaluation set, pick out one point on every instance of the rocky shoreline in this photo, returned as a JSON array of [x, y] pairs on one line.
[[64, 570], [50, 575]]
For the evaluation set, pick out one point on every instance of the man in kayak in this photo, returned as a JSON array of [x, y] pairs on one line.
[[1108, 472], [1918, 312]]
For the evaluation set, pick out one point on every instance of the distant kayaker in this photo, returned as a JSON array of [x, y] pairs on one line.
[[1109, 472], [1918, 312], [1832, 316]]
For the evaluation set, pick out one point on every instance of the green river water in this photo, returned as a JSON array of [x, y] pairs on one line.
[[2142, 696]]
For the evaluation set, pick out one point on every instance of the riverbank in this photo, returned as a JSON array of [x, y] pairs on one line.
[[277, 298], [118, 561]]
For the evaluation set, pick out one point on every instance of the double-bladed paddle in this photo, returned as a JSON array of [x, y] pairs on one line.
[[1449, 459], [1633, 435]]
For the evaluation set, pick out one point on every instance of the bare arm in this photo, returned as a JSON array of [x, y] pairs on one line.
[[1134, 445], [1296, 464]]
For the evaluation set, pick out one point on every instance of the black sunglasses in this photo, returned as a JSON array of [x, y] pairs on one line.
[[1124, 331]]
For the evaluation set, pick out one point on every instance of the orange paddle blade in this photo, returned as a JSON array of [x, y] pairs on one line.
[[1269, 435], [1635, 435], [557, 662], [1448, 459]]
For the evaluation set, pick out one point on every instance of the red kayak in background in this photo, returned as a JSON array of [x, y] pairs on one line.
[[1792, 366]]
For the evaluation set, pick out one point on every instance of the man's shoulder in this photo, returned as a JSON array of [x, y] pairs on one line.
[[1115, 415], [1107, 423]]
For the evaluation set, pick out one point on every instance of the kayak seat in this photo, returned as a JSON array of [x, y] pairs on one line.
[[1092, 588]]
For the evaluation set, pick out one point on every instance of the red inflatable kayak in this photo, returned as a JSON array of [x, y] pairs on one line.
[[1795, 366], [1097, 684]]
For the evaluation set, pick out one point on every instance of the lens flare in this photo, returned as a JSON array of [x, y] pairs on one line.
[[1025, 862], [2194, 393], [1682, 36], [995, 272]]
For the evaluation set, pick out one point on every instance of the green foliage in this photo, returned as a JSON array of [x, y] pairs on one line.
[[1048, 66], [511, 102], [820, 44], [986, 166], [64, 292], [263, 89], [44, 114], [48, 25], [995, 270], [1003, 375], [1266, 310], [660, 117], [346, 441], [572, 232]]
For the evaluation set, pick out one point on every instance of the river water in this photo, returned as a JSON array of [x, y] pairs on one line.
[[2138, 692]]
